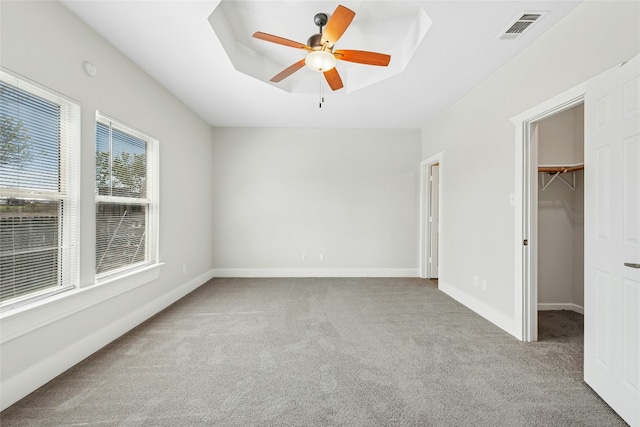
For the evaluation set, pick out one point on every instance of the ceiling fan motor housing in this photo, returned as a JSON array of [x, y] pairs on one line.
[[315, 42]]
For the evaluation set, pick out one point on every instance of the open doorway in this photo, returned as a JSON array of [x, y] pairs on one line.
[[430, 218], [557, 141], [434, 220], [525, 201], [552, 172]]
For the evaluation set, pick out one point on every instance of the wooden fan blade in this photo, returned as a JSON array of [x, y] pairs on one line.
[[363, 57], [280, 40], [337, 24], [288, 71], [333, 78]]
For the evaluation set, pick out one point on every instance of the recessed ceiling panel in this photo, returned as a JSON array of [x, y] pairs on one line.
[[394, 28]]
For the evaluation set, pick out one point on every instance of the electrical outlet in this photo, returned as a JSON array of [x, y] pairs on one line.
[[184, 269], [475, 281], [321, 257], [484, 285], [305, 257]]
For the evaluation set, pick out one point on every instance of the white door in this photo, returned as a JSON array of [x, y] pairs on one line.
[[434, 220], [612, 238]]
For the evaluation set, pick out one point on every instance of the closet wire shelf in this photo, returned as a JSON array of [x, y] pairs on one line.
[[557, 171]]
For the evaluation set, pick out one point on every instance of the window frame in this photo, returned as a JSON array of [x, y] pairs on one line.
[[152, 256], [68, 192]]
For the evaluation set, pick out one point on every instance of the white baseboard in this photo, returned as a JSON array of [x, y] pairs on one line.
[[316, 272], [563, 306], [499, 319], [20, 385]]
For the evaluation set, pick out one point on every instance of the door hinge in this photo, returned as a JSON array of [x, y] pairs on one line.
[[525, 242]]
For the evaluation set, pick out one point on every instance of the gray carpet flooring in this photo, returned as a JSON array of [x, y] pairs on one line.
[[324, 352]]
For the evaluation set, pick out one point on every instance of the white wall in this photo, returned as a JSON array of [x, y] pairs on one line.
[[44, 42], [478, 140], [577, 297], [556, 209], [349, 194], [578, 206]]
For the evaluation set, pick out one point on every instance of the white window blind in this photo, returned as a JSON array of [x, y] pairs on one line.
[[39, 181], [126, 198]]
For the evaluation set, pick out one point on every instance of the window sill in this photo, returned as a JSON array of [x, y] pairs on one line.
[[29, 317], [136, 275]]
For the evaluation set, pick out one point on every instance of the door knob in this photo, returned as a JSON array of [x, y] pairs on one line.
[[632, 265]]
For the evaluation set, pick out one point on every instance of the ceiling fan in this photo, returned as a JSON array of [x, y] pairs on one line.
[[321, 57]]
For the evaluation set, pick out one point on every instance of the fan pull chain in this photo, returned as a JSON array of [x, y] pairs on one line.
[[321, 92]]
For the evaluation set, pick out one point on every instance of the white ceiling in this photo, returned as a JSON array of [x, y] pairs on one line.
[[174, 42]]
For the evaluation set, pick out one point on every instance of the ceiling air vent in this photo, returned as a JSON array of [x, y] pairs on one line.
[[520, 25]]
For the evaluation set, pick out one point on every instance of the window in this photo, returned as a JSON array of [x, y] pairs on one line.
[[39, 182], [126, 198]]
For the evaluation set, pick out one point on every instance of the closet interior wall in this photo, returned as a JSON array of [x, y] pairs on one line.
[[561, 213]]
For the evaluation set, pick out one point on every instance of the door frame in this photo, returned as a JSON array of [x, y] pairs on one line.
[[526, 208], [425, 208]]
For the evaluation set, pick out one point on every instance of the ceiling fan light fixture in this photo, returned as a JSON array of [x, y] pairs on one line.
[[320, 56], [320, 60]]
